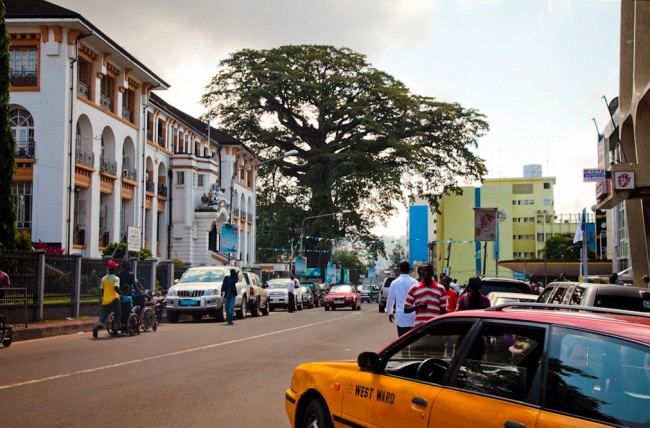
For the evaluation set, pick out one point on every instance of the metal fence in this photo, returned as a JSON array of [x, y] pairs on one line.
[[59, 278], [55, 286]]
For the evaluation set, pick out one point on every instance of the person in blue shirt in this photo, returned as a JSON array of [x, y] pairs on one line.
[[229, 292]]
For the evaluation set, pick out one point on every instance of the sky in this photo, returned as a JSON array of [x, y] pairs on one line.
[[538, 69]]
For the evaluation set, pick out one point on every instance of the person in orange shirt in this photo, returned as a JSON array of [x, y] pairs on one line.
[[452, 296]]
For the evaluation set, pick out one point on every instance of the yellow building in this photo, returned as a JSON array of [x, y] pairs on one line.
[[526, 215]]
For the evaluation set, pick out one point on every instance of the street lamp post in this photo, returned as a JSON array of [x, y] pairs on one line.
[[235, 171], [302, 227]]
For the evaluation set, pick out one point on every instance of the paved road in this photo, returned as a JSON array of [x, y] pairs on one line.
[[191, 373]]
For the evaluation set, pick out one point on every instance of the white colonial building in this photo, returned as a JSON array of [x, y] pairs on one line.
[[99, 152]]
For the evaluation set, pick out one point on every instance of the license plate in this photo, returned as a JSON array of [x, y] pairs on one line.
[[188, 302]]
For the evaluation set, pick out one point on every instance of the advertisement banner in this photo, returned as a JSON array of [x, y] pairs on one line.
[[229, 238], [346, 276], [371, 273], [331, 273], [313, 272], [337, 279], [485, 224], [301, 265]]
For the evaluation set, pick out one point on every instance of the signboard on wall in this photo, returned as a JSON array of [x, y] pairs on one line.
[[133, 239]]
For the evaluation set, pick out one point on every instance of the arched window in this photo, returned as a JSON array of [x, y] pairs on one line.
[[22, 128]]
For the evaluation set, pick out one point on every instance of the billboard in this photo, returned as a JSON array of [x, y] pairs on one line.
[[229, 238], [301, 265], [485, 224]]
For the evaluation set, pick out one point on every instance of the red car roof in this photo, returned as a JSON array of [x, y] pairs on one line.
[[625, 326]]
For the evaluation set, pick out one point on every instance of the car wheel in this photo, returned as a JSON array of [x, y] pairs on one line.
[[254, 307], [197, 317], [241, 313], [317, 415], [327, 308], [333, 308], [382, 308], [172, 316], [271, 308], [265, 309], [220, 315]]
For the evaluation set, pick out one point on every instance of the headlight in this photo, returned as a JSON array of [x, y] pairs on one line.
[[171, 292], [210, 292]]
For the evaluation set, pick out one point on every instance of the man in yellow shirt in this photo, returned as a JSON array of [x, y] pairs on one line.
[[109, 298]]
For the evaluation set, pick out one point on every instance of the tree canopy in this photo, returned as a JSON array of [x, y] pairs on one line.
[[561, 247], [364, 141]]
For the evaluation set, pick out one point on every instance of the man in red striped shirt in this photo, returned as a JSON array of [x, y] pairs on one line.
[[427, 298]]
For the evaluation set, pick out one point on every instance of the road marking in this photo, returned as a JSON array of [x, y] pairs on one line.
[[170, 354]]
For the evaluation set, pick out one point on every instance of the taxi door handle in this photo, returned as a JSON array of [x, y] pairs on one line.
[[513, 424], [419, 401]]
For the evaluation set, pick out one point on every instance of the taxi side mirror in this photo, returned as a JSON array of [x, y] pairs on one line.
[[368, 361]]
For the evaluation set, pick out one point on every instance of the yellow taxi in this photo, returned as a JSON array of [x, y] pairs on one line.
[[514, 366]]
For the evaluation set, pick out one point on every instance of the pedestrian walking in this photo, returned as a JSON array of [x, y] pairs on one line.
[[427, 299], [613, 279], [396, 297], [534, 285], [5, 282], [473, 299], [452, 295], [291, 293], [109, 298], [228, 293], [454, 286]]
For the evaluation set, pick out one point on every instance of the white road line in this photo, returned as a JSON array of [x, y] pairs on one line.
[[170, 354]]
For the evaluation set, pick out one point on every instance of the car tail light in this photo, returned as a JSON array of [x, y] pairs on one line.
[[252, 292]]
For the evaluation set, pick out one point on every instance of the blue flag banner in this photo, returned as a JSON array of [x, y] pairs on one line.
[[229, 238]]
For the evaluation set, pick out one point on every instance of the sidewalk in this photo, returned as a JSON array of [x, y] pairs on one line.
[[39, 330]]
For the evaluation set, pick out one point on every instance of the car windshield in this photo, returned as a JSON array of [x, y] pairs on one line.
[[342, 289], [202, 275], [278, 283]]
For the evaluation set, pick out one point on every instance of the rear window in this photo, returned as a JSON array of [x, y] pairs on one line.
[[511, 287], [387, 282], [629, 303]]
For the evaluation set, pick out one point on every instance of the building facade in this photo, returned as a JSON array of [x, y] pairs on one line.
[[421, 232], [525, 220], [98, 152]]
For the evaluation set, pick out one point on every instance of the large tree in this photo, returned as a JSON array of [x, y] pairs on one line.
[[7, 143], [364, 141]]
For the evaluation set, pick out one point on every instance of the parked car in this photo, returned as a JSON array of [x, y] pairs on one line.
[[369, 293], [501, 297], [279, 295], [383, 292], [342, 296], [600, 295], [198, 293], [258, 297], [317, 290], [307, 297], [509, 367]]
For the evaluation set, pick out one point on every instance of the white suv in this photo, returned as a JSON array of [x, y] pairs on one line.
[[198, 293]]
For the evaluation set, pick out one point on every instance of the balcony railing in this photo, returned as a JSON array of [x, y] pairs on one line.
[[23, 78], [151, 186], [105, 102], [250, 216], [161, 140], [83, 90], [127, 114], [24, 149], [107, 165], [149, 135], [162, 190], [85, 157], [128, 173]]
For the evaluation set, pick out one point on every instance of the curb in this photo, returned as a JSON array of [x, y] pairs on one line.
[[56, 329]]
